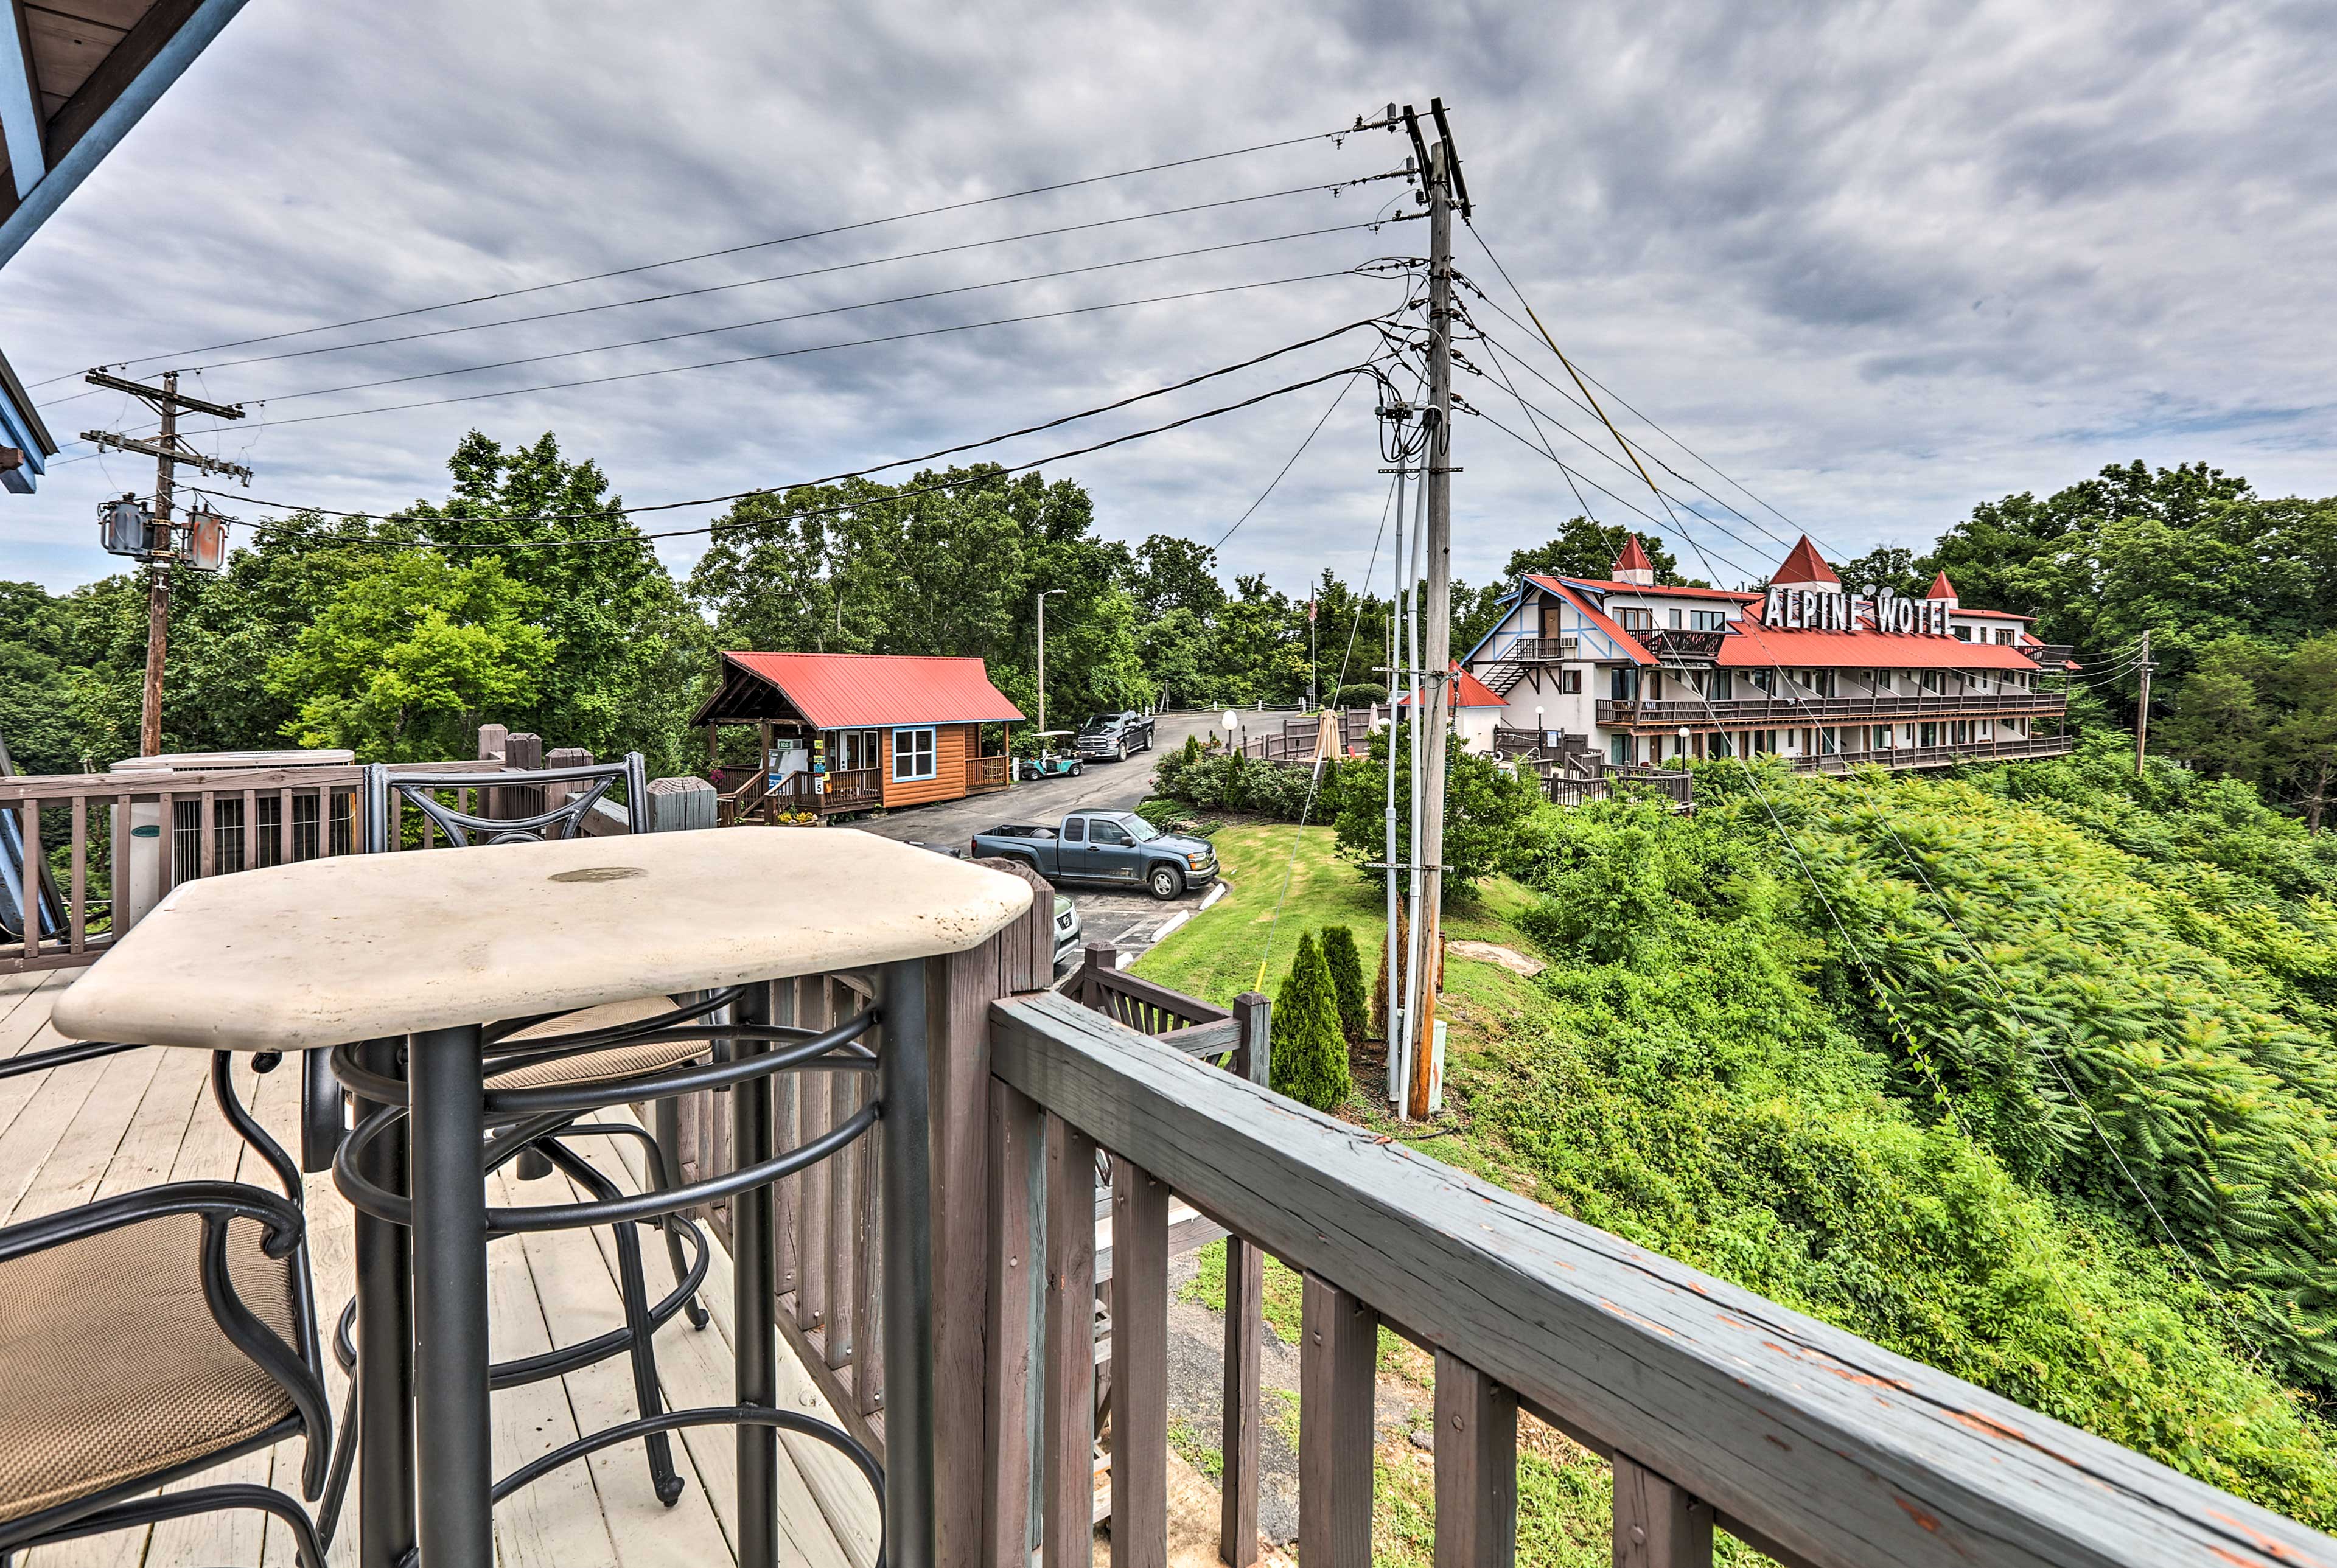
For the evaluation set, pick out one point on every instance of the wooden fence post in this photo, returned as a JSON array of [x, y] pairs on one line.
[[1338, 1355], [1476, 1467], [1656, 1524], [680, 804], [1068, 1416], [1245, 1323]]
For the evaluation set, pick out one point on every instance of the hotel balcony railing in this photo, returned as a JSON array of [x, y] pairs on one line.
[[1732, 713]]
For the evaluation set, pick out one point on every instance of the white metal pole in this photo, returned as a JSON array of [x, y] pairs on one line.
[[1403, 1064], [1396, 692]]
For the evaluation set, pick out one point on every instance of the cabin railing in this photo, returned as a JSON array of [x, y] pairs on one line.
[[1719, 1411], [985, 772], [853, 789]]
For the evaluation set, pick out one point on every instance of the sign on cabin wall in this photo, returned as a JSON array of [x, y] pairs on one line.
[[1833, 610]]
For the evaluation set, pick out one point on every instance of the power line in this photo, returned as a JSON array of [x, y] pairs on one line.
[[1287, 467], [827, 310], [1333, 136], [940, 485], [785, 276], [814, 348], [603, 512]]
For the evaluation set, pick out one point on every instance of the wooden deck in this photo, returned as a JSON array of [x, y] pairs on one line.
[[129, 1121]]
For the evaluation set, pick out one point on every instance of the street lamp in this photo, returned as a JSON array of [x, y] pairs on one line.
[[1233, 731], [1043, 598]]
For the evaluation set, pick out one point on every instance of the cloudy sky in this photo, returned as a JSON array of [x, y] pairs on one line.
[[1876, 261]]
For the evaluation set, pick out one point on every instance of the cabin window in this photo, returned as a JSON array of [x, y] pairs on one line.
[[912, 754]]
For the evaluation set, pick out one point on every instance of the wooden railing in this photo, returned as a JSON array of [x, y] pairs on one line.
[[986, 773], [1197, 1027], [1677, 784], [854, 790], [1719, 1411], [1734, 712], [1906, 756], [205, 823]]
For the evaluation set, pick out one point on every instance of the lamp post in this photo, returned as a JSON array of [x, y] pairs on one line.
[[1043, 598]]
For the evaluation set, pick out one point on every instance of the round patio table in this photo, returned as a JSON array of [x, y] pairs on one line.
[[414, 954]]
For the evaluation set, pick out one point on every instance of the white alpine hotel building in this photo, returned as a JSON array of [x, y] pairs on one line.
[[1811, 670]]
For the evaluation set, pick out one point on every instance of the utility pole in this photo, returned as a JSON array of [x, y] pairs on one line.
[[1440, 176], [2142, 709], [1042, 656], [168, 451]]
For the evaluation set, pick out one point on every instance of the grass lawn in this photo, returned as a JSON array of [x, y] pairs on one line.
[[1215, 956]]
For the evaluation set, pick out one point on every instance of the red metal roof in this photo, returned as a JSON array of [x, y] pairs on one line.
[[1468, 691], [1599, 618], [1803, 564], [1758, 647], [849, 690]]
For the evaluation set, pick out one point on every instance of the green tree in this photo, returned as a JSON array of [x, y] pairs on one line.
[[1588, 550], [37, 702], [1891, 566], [1309, 1059], [2264, 714], [1346, 963], [630, 652], [407, 659], [1485, 807], [1173, 574]]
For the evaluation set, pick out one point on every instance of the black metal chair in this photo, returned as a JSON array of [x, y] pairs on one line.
[[148, 1337], [618, 1046]]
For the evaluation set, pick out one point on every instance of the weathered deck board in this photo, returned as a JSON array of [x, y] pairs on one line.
[[120, 1123]]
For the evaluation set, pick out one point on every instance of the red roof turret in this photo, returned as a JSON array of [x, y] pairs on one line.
[[1941, 588], [1805, 565], [1633, 559]]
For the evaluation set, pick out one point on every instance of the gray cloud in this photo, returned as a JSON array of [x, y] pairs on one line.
[[1878, 262]]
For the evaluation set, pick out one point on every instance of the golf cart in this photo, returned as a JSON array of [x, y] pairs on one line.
[[1049, 763]]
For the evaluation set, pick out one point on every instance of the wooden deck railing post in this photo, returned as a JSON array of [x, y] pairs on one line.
[[1656, 1524], [1476, 1467], [1139, 1368], [1066, 1420], [1096, 959], [1338, 1356], [1238, 1542], [1014, 1328]]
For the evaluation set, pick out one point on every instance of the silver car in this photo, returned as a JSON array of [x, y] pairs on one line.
[[1067, 930]]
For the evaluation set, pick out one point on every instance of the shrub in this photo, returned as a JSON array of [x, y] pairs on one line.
[[1346, 980], [1486, 806], [1309, 1059], [1359, 695], [1214, 780]]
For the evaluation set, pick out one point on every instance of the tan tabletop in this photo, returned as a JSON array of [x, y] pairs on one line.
[[360, 946]]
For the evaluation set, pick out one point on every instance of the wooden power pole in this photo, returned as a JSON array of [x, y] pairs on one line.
[[168, 451], [2142, 709], [1441, 178]]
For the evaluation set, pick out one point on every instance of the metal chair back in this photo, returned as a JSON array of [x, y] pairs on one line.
[[386, 790]]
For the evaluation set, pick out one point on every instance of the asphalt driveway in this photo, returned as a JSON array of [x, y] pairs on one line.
[[1130, 921]]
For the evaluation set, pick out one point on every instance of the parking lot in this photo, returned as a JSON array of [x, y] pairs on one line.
[[1130, 921]]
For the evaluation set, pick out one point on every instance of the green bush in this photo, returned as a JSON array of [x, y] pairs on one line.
[[1309, 1059], [1485, 808], [1214, 780], [1346, 963], [1359, 695]]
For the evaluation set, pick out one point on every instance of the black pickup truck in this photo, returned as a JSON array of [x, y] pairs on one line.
[[1105, 849], [1113, 736]]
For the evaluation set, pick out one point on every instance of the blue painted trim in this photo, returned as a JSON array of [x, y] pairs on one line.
[[20, 116], [1516, 593], [192, 37]]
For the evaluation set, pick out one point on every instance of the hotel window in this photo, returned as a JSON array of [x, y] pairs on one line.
[[2004, 636], [1571, 680], [1619, 750], [1964, 634], [914, 756], [1709, 620], [1634, 619], [1676, 620], [1932, 681]]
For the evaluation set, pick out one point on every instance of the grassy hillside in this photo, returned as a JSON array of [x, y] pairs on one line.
[[2026, 1076]]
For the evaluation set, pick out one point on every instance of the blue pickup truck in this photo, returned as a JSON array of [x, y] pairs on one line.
[[1105, 849]]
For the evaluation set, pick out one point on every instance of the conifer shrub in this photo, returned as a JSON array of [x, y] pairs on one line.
[[1347, 981], [1310, 1059]]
